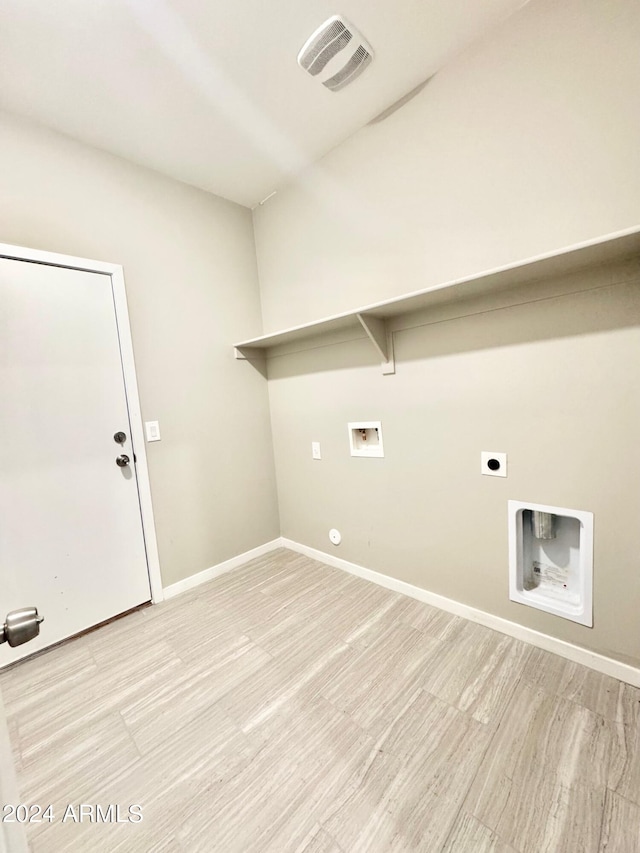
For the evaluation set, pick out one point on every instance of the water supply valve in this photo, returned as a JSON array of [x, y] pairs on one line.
[[21, 626]]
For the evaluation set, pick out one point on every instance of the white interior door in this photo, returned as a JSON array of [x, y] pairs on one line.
[[71, 536]]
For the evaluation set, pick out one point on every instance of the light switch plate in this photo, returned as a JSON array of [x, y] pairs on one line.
[[315, 450], [152, 429]]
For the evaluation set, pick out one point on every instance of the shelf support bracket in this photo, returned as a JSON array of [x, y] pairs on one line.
[[254, 355], [381, 338], [248, 353]]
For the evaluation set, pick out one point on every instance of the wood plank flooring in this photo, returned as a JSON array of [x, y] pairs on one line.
[[292, 708]]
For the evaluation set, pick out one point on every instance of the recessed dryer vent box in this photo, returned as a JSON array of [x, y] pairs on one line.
[[365, 438], [551, 559]]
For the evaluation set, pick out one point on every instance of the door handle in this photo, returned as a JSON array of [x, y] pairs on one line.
[[122, 461], [21, 626]]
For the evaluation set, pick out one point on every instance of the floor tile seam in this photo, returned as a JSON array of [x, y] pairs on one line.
[[499, 837], [204, 674], [48, 796], [231, 655], [292, 806], [612, 792], [607, 719], [603, 819], [281, 655], [503, 706], [617, 792], [206, 709], [186, 658], [488, 828], [558, 694], [331, 837], [488, 726], [40, 654], [87, 718], [376, 649], [351, 788], [375, 738], [130, 735], [23, 679], [281, 658], [404, 761], [378, 616], [287, 692], [381, 736], [603, 720], [255, 584], [283, 601], [491, 740]]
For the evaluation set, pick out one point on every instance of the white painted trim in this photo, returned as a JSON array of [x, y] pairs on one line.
[[54, 259], [137, 433], [220, 569], [577, 654], [115, 271]]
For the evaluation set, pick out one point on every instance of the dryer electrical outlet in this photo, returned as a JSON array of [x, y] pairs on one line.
[[493, 464]]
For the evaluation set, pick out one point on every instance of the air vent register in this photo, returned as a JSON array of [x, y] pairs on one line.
[[336, 53]]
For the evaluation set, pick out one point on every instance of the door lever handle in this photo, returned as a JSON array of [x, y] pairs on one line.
[[122, 461], [21, 626]]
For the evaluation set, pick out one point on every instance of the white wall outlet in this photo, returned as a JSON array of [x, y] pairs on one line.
[[315, 450], [493, 464], [365, 438], [335, 536], [152, 429]]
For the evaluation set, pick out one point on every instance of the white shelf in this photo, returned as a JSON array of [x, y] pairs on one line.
[[373, 318]]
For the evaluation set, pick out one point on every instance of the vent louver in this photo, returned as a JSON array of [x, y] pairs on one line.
[[336, 53], [355, 66]]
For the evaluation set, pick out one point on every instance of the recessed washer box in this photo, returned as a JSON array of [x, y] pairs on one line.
[[551, 559], [365, 438]]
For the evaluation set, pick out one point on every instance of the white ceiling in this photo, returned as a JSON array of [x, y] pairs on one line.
[[210, 92]]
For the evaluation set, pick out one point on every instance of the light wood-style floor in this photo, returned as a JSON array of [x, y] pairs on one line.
[[293, 708]]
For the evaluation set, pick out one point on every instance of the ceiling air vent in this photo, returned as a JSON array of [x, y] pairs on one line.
[[336, 53]]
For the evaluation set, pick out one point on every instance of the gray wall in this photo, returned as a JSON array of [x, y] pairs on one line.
[[528, 142], [190, 272]]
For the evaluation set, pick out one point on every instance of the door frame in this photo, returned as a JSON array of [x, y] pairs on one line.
[[116, 273]]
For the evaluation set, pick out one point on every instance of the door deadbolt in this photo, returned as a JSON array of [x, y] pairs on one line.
[[21, 626], [122, 461], [120, 437]]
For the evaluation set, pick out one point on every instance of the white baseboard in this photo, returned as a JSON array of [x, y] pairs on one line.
[[577, 654], [221, 569]]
